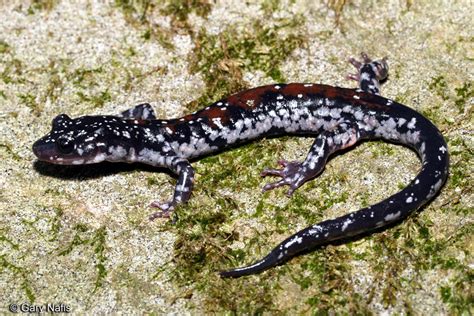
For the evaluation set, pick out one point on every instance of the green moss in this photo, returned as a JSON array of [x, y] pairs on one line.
[[77, 239], [199, 243], [21, 277], [56, 70], [214, 231], [440, 86], [301, 208], [197, 266], [95, 240], [5, 239], [461, 159], [270, 6], [180, 9], [381, 149], [54, 220], [97, 100], [98, 241], [55, 223], [221, 59], [243, 297], [460, 177], [134, 9], [151, 181], [463, 95], [136, 12], [396, 252], [91, 86], [21, 274], [226, 169], [437, 256], [324, 279], [8, 148], [204, 234], [159, 34], [4, 47], [337, 6], [30, 101], [13, 71], [41, 5], [388, 265], [85, 78], [363, 198], [458, 294]]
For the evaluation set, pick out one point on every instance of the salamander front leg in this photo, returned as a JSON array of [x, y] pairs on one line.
[[295, 174], [182, 191]]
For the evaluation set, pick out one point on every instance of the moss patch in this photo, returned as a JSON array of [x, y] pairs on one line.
[[95, 240], [221, 59], [21, 275]]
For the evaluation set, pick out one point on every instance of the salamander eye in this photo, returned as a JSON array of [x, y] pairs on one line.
[[65, 145], [59, 120]]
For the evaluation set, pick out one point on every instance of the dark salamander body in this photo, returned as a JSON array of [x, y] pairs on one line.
[[337, 117]]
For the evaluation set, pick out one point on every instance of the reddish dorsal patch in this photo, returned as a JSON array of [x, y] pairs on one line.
[[251, 98], [213, 114], [171, 126], [296, 90], [302, 90], [140, 121], [350, 96]]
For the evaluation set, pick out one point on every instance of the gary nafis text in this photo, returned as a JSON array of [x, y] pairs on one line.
[[46, 308]]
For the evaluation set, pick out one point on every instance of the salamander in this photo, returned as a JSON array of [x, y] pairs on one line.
[[336, 117]]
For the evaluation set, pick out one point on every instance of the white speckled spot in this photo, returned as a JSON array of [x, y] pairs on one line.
[[346, 223], [295, 239], [411, 124], [392, 216]]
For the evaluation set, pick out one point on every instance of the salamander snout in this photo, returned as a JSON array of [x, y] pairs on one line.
[[43, 150]]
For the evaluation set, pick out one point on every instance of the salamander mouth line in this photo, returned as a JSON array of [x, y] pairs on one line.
[[68, 161], [61, 159]]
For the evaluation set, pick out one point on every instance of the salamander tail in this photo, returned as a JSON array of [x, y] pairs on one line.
[[269, 261]]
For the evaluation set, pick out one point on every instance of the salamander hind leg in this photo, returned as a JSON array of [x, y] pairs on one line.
[[295, 174], [369, 73]]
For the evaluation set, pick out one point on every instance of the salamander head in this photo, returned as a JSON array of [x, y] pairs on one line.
[[85, 140]]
